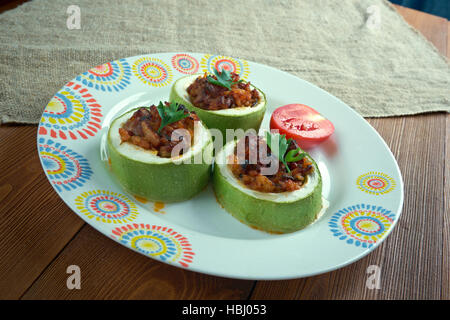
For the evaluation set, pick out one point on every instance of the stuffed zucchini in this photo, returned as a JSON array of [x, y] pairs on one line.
[[151, 161], [222, 101], [286, 200]]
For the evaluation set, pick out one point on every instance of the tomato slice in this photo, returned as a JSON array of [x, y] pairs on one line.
[[301, 123]]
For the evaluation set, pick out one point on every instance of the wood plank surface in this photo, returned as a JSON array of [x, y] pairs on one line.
[[411, 258], [111, 271], [41, 237], [446, 226], [35, 224], [434, 28], [414, 259], [10, 4]]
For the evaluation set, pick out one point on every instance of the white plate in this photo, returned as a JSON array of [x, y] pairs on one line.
[[361, 178]]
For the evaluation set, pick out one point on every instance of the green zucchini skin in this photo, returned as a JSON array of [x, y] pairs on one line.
[[219, 121], [266, 215], [164, 182]]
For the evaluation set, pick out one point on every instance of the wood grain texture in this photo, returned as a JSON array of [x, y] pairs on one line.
[[111, 271], [35, 224], [446, 226], [434, 28], [414, 259], [41, 237], [10, 4], [411, 258]]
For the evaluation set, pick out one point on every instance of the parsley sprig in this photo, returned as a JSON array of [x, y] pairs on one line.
[[283, 145], [170, 114], [224, 79]]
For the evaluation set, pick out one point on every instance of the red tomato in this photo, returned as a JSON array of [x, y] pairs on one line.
[[301, 123]]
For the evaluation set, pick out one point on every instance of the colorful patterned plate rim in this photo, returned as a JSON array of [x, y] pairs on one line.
[[361, 178]]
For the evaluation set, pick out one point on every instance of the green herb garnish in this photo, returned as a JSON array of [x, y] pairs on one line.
[[170, 114], [223, 79], [295, 155], [283, 145]]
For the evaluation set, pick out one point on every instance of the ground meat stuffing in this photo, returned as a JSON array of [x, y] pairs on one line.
[[208, 96], [250, 173], [142, 130]]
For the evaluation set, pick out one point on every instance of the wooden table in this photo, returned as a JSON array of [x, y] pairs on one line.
[[40, 236]]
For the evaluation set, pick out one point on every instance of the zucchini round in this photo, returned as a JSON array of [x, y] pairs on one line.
[[235, 118], [142, 173], [272, 212]]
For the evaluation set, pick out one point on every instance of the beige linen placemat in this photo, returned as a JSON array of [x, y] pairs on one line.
[[363, 52]]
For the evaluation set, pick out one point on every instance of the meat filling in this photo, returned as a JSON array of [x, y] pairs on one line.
[[142, 130], [250, 173], [208, 96]]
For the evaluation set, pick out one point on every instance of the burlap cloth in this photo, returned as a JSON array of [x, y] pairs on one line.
[[380, 69]]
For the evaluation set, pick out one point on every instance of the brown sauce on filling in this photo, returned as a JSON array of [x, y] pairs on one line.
[[142, 130], [250, 173], [208, 96]]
